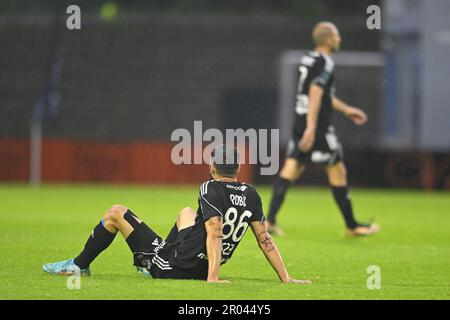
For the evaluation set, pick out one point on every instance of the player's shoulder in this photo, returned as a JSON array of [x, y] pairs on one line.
[[207, 185], [217, 184], [238, 186], [252, 194], [227, 186], [309, 59], [248, 186], [317, 59], [326, 61], [249, 189]]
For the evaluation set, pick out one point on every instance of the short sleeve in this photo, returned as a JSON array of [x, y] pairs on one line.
[[323, 69], [257, 211], [210, 200]]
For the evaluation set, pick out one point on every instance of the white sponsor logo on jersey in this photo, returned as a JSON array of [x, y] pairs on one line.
[[238, 188]]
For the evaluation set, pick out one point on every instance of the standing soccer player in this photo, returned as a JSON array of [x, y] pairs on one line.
[[199, 242], [314, 139]]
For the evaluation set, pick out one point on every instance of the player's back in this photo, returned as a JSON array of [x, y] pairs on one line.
[[238, 204]]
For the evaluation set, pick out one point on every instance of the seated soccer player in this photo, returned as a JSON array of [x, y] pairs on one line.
[[199, 243]]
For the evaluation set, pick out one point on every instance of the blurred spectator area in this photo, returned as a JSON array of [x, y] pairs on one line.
[[128, 82], [123, 79], [136, 79]]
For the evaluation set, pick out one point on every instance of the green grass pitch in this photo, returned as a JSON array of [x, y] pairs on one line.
[[50, 223]]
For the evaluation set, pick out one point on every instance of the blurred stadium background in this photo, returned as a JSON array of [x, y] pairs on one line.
[[108, 96]]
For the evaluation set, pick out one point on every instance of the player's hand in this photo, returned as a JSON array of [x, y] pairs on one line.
[[218, 281], [358, 116], [290, 280], [307, 141]]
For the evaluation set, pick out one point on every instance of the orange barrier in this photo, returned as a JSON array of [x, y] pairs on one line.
[[65, 160]]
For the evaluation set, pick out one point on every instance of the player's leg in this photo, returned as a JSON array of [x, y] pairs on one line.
[[100, 238], [151, 253], [185, 219], [291, 171], [116, 219], [182, 227], [337, 178]]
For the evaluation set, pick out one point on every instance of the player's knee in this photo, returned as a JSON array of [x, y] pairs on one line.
[[115, 212], [187, 211], [338, 175], [291, 170], [342, 172], [185, 214], [288, 174]]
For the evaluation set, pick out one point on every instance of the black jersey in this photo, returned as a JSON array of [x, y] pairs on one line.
[[238, 203], [314, 68]]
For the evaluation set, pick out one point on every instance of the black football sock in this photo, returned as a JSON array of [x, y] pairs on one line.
[[99, 240], [133, 238], [279, 191], [345, 205], [140, 231], [135, 246], [133, 241]]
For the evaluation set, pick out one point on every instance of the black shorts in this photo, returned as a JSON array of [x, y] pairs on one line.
[[154, 253], [327, 148]]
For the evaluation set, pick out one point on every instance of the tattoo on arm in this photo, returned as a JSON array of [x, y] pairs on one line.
[[215, 223], [214, 220], [266, 241]]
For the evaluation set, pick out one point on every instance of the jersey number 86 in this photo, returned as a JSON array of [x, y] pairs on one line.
[[236, 230]]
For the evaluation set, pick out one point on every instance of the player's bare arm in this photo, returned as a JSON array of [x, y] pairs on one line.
[[358, 116], [214, 236], [270, 250], [315, 95]]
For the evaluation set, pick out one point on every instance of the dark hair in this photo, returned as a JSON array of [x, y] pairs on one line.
[[225, 159]]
